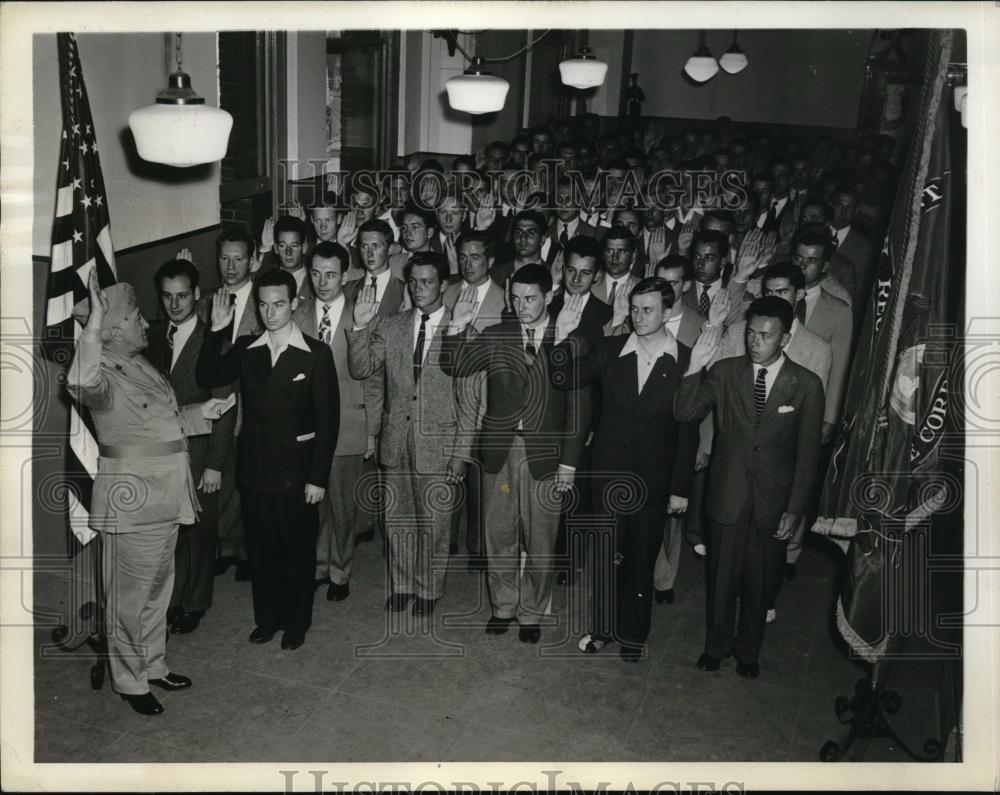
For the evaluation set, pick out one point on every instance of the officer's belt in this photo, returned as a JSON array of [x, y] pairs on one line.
[[151, 450]]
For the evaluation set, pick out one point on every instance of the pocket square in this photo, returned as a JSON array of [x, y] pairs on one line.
[[300, 377], [785, 409], [306, 437]]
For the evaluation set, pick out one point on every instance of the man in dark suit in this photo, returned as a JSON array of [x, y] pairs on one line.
[[328, 317], [426, 438], [853, 263], [566, 222], [530, 443], [768, 413], [173, 348], [291, 411], [638, 441]]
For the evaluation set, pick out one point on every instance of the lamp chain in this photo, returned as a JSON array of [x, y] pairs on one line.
[[178, 52]]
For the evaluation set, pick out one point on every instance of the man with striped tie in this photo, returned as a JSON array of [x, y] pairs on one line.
[[768, 414]]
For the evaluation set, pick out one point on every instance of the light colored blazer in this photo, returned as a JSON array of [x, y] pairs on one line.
[[832, 320]]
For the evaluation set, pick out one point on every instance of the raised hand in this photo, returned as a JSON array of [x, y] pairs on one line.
[[687, 235], [297, 211], [185, 253], [223, 310], [620, 309], [486, 213], [569, 316], [267, 235], [658, 246], [768, 247], [706, 348], [366, 307], [556, 269], [465, 308], [747, 258], [98, 302], [348, 230], [718, 310], [452, 254]]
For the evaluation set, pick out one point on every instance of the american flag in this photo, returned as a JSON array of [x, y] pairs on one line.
[[81, 242]]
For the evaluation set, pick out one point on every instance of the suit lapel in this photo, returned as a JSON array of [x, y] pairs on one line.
[[626, 369], [189, 353], [781, 391]]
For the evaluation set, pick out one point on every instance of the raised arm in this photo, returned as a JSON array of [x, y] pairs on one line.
[[84, 380], [215, 368], [697, 394]]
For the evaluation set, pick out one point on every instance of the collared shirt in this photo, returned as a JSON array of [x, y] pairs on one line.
[[778, 205], [570, 227], [481, 291], [841, 234], [713, 290], [673, 324], [621, 282], [646, 361], [539, 329], [381, 282], [334, 313], [295, 340], [243, 295], [433, 321], [181, 336], [772, 373], [812, 296]]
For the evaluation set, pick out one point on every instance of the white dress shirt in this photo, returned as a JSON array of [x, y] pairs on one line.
[[778, 205], [569, 227], [381, 283], [481, 291], [646, 361], [841, 234], [772, 373], [673, 324], [181, 336], [433, 321], [295, 340], [334, 313]]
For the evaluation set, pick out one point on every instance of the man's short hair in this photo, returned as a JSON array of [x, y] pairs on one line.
[[376, 225], [435, 258], [712, 236], [772, 306], [654, 284], [464, 160], [722, 216], [621, 232], [784, 270], [534, 217], [429, 218], [815, 234], [476, 236], [289, 223], [276, 277], [824, 206], [673, 261], [846, 188], [533, 273], [173, 268], [235, 236], [583, 246], [330, 249]]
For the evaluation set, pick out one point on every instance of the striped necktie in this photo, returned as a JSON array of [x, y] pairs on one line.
[[760, 390]]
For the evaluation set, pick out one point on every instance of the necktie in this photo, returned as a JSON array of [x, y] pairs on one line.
[[760, 390], [563, 237], [800, 311], [704, 303], [418, 351], [529, 350], [375, 288], [168, 361], [325, 327], [772, 215], [611, 294]]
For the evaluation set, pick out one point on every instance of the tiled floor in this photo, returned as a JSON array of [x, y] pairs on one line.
[[367, 688]]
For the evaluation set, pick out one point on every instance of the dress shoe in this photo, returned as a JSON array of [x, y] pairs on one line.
[[497, 626], [172, 682], [398, 602], [630, 653], [290, 641], [335, 592], [222, 564], [590, 645], [187, 622], [145, 704], [790, 571], [772, 614], [748, 670], [423, 607], [708, 663], [243, 571], [262, 634], [529, 633], [664, 597]]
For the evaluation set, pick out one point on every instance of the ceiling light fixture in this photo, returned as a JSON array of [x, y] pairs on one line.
[[583, 71], [476, 90], [180, 129], [734, 60], [702, 65]]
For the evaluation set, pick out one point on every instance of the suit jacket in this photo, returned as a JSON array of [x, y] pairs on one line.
[[442, 429], [490, 310], [270, 261], [853, 265], [806, 348], [360, 401], [555, 422], [133, 407], [831, 319], [204, 451], [765, 464], [583, 229], [637, 431], [389, 304], [291, 410]]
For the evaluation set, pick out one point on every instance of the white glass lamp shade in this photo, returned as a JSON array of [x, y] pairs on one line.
[[701, 67], [582, 72], [477, 93], [733, 60], [181, 135]]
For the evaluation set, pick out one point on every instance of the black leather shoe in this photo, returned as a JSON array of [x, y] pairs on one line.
[[709, 663], [664, 597], [497, 626], [187, 622], [222, 564], [262, 634], [748, 670], [423, 607], [243, 572], [172, 682], [630, 653], [529, 633], [790, 572], [398, 602], [337, 593], [145, 704], [291, 641]]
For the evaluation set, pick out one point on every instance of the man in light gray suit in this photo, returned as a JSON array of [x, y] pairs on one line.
[[328, 317], [426, 438]]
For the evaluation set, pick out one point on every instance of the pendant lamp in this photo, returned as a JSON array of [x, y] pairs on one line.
[[733, 60], [477, 90], [180, 129], [701, 66], [583, 71]]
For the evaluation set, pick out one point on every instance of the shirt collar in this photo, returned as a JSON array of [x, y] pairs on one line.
[[434, 318], [772, 368], [813, 292], [295, 340], [185, 326], [668, 345]]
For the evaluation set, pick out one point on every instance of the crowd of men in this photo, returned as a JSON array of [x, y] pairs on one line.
[[565, 357]]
